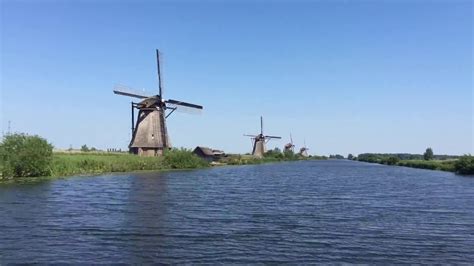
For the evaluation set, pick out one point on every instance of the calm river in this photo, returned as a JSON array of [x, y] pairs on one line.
[[296, 212]]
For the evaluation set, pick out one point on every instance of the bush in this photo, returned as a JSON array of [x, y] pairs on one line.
[[182, 159], [428, 155], [24, 156], [465, 165]]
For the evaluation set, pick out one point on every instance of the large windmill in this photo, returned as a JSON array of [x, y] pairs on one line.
[[304, 150], [149, 134], [290, 147], [259, 141]]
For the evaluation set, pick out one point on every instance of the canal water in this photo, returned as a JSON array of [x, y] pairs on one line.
[[295, 212]]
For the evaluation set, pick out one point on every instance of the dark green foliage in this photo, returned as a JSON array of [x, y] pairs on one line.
[[350, 156], [433, 165], [22, 155], [337, 156], [275, 153], [428, 155], [84, 148], [392, 160], [465, 165]]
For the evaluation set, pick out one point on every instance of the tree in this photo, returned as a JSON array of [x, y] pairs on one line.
[[24, 155], [428, 155], [84, 148], [465, 165], [350, 156]]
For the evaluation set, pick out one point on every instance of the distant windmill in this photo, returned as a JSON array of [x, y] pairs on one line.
[[149, 134], [304, 150], [290, 146], [259, 141]]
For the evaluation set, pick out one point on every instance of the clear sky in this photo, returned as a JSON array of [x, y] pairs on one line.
[[347, 76]]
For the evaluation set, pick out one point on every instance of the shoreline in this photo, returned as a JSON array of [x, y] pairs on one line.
[[67, 165], [434, 165]]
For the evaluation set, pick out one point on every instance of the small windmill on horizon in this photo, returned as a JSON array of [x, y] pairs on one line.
[[260, 140], [149, 133], [290, 147], [304, 150]]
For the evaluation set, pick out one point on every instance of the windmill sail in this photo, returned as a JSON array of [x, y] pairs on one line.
[[158, 66], [128, 91]]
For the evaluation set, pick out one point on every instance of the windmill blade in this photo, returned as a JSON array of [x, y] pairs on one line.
[[158, 65], [253, 136], [261, 125], [127, 91], [291, 139], [183, 104], [272, 137], [183, 108]]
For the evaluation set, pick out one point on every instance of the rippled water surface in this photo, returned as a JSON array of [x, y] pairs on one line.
[[313, 211]]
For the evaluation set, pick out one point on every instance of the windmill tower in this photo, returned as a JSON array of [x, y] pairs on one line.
[[290, 146], [149, 133], [304, 150], [259, 141]]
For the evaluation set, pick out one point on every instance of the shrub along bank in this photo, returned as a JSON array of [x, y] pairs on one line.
[[22, 155]]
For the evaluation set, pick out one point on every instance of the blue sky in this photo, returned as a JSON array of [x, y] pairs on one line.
[[349, 77]]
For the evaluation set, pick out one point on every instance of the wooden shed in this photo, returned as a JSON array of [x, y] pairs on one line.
[[208, 154]]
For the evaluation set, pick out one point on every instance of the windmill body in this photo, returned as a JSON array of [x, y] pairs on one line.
[[150, 136], [149, 133], [259, 147], [290, 147], [259, 141], [304, 150]]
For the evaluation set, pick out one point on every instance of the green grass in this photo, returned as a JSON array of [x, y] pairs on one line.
[[246, 159], [65, 164], [76, 164]]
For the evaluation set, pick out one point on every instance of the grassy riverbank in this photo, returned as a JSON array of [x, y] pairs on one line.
[[68, 164], [64, 164], [461, 165]]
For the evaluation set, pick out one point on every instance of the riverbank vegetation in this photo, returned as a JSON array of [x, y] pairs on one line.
[[275, 155], [32, 156], [23, 155], [459, 164]]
